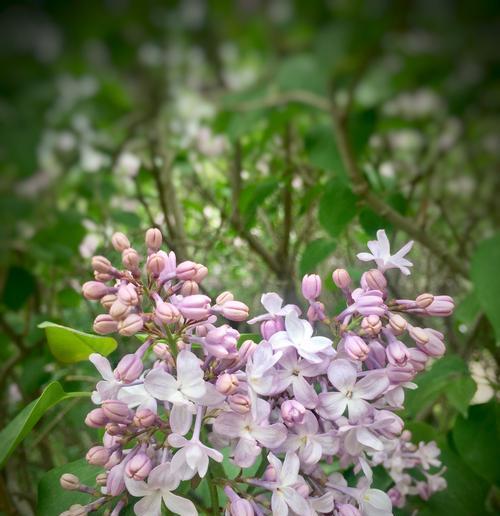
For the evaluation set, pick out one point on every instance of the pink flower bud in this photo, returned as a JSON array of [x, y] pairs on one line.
[[162, 351], [377, 357], [127, 294], [272, 326], [167, 313], [119, 310], [374, 280], [316, 311], [222, 342], [97, 455], [144, 418], [131, 325], [189, 288], [235, 311], [270, 474], [108, 300], [355, 347], [115, 483], [246, 350], [139, 466], [398, 374], [104, 324], [241, 507], [120, 242], [101, 264], [441, 306], [227, 383], [129, 368], [96, 418], [195, 307], [397, 353], [311, 286], [102, 277], [69, 482], [130, 259], [155, 264], [424, 300], [346, 509], [419, 335], [115, 430], [153, 239], [186, 270], [292, 412], [302, 488], [397, 323], [224, 297], [434, 347], [94, 290], [77, 510], [116, 411], [101, 479], [201, 273], [371, 325], [418, 359], [341, 278], [239, 403]]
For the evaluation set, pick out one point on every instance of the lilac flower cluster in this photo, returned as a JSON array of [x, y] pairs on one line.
[[313, 402]]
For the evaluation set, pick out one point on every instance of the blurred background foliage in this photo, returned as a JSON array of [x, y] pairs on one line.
[[265, 139]]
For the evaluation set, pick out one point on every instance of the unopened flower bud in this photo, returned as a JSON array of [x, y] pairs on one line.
[[116, 410], [341, 278], [355, 347], [115, 430], [346, 509], [397, 353], [419, 335], [153, 239], [101, 264], [270, 474], [127, 294], [303, 490], [129, 368], [241, 507], [118, 310], [224, 297], [130, 259], [239, 403], [115, 484], [247, 349], [139, 466], [311, 286], [77, 510], [101, 479], [131, 325], [120, 242], [108, 300], [272, 326], [94, 290], [186, 270], [227, 383], [162, 351], [189, 288], [195, 307], [424, 300], [97, 455], [104, 324], [201, 273], [167, 313], [235, 311], [144, 418], [371, 325], [418, 359], [103, 277], [374, 280], [441, 306], [292, 412], [69, 482], [96, 418], [400, 374], [155, 264], [398, 324]]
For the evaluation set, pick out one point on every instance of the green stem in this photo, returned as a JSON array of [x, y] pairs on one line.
[[214, 495]]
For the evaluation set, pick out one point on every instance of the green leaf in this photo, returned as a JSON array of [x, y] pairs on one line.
[[323, 152], [249, 336], [302, 72], [484, 274], [434, 383], [21, 425], [337, 208], [361, 126], [315, 252], [476, 438], [53, 499], [460, 392], [69, 345]]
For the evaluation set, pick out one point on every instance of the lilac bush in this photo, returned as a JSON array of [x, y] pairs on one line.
[[312, 400]]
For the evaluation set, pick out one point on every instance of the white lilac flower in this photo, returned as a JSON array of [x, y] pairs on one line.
[[273, 304], [381, 254]]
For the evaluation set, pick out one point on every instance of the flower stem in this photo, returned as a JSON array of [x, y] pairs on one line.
[[214, 495]]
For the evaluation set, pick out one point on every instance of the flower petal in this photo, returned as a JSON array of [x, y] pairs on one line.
[[342, 375], [332, 404], [161, 385], [103, 366], [181, 417], [150, 505], [270, 436], [179, 505], [371, 386]]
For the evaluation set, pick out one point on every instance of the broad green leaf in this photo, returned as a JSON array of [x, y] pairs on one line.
[[337, 208], [323, 153], [361, 126], [302, 72], [476, 438], [420, 431], [315, 252], [467, 310], [53, 499], [434, 382], [21, 425], [19, 285], [69, 345], [249, 336], [484, 274], [460, 392]]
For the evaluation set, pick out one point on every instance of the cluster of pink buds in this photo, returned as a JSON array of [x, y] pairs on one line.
[[317, 391]]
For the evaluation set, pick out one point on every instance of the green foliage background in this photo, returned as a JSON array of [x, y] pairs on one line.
[[266, 139]]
